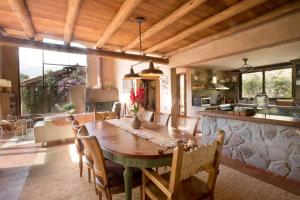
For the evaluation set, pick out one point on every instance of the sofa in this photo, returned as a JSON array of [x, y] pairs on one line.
[[58, 127]]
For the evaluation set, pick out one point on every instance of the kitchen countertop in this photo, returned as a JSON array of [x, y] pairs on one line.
[[258, 118]]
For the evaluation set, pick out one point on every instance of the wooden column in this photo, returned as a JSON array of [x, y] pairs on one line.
[[174, 108], [100, 71]]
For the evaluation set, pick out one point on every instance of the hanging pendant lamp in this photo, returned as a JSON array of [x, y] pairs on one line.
[[151, 71], [132, 75], [245, 68]]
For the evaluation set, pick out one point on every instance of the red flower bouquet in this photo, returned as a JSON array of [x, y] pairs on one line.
[[137, 98]]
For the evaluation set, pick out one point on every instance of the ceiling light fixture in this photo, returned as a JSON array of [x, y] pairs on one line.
[[131, 74], [151, 71], [245, 68]]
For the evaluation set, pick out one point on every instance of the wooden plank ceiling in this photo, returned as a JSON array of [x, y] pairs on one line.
[[170, 26]]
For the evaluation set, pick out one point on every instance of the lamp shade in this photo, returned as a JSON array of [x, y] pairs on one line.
[[5, 83], [151, 71], [131, 75]]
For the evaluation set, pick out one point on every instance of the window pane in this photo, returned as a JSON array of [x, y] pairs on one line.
[[55, 57], [251, 84], [278, 83], [78, 59], [52, 72], [49, 93], [182, 94], [31, 63]]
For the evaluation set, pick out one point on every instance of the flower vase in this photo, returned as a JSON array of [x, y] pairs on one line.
[[136, 123]]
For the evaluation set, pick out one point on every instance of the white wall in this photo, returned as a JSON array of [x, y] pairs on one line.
[[115, 69]]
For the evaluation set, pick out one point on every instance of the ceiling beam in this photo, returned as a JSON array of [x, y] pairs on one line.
[[273, 14], [124, 12], [21, 11], [71, 16], [11, 41], [215, 19], [175, 15], [2, 31]]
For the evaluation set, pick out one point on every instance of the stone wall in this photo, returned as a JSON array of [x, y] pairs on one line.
[[265, 146]]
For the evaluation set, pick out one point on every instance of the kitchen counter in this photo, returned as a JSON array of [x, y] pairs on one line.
[[258, 118], [270, 143], [270, 105]]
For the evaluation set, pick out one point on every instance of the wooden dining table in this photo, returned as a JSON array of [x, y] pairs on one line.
[[131, 151]]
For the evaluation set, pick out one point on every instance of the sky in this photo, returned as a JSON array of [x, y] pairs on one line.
[[31, 60]]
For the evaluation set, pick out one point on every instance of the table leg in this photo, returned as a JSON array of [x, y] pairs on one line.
[[128, 182]]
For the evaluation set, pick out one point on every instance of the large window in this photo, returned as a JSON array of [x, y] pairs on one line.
[[275, 83], [252, 84], [46, 78], [278, 83]]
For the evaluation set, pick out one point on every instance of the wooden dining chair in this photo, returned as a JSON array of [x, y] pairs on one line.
[[188, 124], [180, 183], [108, 175], [99, 116], [79, 146], [87, 155], [162, 118], [145, 116]]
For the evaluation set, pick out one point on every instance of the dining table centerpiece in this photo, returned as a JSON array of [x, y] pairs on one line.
[[136, 99]]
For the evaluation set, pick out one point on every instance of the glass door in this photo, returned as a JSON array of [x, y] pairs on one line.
[[181, 93]]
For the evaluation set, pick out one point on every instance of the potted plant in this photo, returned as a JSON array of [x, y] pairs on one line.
[[136, 99], [69, 108]]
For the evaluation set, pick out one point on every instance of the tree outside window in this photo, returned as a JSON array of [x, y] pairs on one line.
[[252, 84], [278, 83]]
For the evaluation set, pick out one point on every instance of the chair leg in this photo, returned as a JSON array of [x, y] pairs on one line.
[[89, 174], [212, 196], [96, 190], [143, 195], [80, 165], [100, 195], [108, 195]]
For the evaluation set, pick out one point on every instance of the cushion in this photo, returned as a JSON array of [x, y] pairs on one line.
[[115, 176]]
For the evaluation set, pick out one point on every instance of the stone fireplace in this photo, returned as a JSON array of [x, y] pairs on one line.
[[100, 99]]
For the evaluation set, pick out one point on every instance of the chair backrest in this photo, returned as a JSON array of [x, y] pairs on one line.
[[188, 124], [117, 109], [75, 128], [162, 118], [92, 145], [124, 110], [82, 132], [145, 116], [99, 116], [203, 158]]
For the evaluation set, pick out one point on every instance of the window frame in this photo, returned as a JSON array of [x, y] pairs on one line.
[[263, 69]]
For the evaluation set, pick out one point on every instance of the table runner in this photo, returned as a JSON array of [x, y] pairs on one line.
[[153, 136]]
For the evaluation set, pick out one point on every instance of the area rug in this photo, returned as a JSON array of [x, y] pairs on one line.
[[17, 154], [56, 176]]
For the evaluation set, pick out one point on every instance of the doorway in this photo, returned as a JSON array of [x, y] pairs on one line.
[[150, 95], [181, 94]]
